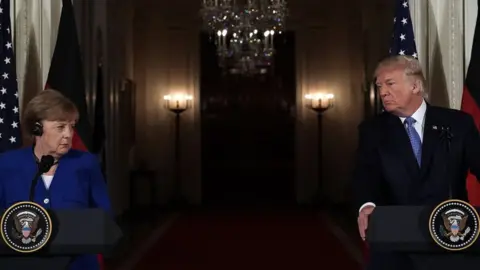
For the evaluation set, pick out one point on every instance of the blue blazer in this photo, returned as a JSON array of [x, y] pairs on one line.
[[78, 183]]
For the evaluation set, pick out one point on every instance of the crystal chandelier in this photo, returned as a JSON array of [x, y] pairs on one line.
[[244, 31]]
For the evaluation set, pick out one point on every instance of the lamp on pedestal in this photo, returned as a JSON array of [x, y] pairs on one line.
[[319, 103], [178, 103]]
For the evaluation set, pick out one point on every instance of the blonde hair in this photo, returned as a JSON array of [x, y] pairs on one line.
[[48, 105], [409, 64]]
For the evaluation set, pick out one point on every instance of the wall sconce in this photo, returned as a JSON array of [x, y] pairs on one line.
[[319, 102], [178, 103]]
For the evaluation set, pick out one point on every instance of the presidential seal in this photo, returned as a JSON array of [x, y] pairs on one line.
[[26, 227], [454, 225]]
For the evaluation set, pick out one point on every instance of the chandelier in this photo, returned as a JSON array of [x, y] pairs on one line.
[[244, 32]]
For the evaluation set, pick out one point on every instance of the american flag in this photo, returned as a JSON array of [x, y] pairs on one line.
[[403, 40], [10, 132]]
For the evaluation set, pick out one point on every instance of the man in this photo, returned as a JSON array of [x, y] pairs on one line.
[[402, 159]]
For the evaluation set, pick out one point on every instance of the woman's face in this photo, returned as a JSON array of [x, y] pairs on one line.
[[57, 137]]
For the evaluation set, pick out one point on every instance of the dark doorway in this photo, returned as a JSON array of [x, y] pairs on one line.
[[248, 128]]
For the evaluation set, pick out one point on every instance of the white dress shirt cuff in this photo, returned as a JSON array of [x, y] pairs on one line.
[[365, 205]]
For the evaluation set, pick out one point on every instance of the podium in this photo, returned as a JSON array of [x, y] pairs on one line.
[[75, 232], [405, 230]]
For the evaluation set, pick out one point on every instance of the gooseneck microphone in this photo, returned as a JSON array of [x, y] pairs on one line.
[[446, 136], [43, 166]]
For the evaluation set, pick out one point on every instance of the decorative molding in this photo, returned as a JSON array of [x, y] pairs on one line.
[[456, 62]]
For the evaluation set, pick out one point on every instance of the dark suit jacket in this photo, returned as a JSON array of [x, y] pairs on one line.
[[78, 183], [387, 172]]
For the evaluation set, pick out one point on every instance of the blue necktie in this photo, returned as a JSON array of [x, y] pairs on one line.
[[414, 139]]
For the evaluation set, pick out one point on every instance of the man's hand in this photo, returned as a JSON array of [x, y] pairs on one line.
[[363, 219]]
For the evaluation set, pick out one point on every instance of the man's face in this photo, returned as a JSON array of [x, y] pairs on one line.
[[396, 90]]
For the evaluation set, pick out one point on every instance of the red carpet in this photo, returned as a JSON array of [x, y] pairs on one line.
[[248, 241]]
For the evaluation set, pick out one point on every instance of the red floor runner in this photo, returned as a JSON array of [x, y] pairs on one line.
[[248, 241]]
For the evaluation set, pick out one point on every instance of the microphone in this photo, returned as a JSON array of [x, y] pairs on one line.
[[43, 166], [446, 136]]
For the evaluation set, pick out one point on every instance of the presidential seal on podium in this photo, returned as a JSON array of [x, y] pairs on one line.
[[454, 225], [26, 227]]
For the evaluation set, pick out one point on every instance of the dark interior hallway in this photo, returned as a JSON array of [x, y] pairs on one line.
[[248, 130]]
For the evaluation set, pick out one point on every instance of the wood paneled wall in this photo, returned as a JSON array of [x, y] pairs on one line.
[[166, 53]]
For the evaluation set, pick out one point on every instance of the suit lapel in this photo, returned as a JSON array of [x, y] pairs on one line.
[[400, 143], [431, 138]]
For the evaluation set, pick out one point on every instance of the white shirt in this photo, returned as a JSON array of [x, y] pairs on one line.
[[419, 125], [419, 116], [47, 180]]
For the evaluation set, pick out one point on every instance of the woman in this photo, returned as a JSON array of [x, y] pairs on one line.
[[74, 181]]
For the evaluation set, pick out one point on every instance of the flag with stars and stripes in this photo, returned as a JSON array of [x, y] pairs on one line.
[[403, 39], [10, 132]]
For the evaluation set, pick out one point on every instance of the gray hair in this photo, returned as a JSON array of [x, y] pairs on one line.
[[409, 64]]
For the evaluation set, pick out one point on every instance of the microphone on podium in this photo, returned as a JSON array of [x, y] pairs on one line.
[[43, 166], [446, 136]]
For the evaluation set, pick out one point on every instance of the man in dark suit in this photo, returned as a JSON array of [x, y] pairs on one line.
[[402, 158]]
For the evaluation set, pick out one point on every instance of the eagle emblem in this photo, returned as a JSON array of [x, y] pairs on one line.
[[454, 225], [26, 227]]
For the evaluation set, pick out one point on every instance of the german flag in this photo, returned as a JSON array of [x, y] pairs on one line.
[[471, 102], [66, 76]]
